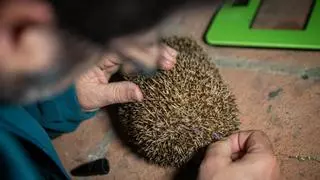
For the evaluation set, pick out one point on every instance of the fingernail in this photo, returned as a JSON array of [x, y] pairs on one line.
[[173, 53], [168, 64], [139, 95]]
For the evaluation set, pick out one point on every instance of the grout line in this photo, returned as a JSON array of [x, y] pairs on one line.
[[273, 68]]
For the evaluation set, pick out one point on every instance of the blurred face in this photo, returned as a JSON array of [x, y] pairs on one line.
[[45, 44], [36, 58]]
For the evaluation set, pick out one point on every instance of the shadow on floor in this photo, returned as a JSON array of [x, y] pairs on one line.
[[190, 171], [113, 112]]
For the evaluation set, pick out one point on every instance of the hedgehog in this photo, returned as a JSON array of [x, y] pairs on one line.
[[184, 109]]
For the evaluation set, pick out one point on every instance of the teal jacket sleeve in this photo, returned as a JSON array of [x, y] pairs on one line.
[[60, 114], [14, 161]]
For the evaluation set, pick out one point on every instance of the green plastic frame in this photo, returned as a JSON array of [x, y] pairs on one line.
[[231, 26]]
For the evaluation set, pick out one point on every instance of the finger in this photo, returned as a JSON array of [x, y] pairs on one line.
[[172, 52], [219, 154], [139, 60], [250, 142], [140, 48], [257, 152], [121, 92], [168, 57], [129, 68], [146, 57], [109, 64]]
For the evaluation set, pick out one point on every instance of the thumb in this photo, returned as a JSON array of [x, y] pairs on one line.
[[121, 92], [218, 155], [97, 96]]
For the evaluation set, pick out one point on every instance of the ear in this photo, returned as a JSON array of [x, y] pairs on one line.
[[16, 19]]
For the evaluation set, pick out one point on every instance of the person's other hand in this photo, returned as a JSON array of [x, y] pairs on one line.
[[243, 156], [95, 91]]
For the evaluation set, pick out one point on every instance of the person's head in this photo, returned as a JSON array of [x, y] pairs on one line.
[[44, 44]]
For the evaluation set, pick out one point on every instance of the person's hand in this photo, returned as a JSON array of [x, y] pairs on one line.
[[243, 156], [95, 91]]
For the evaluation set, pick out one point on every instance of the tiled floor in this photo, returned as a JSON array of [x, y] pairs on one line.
[[271, 94]]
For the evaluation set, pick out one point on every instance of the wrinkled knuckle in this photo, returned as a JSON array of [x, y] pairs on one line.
[[117, 94], [130, 91]]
